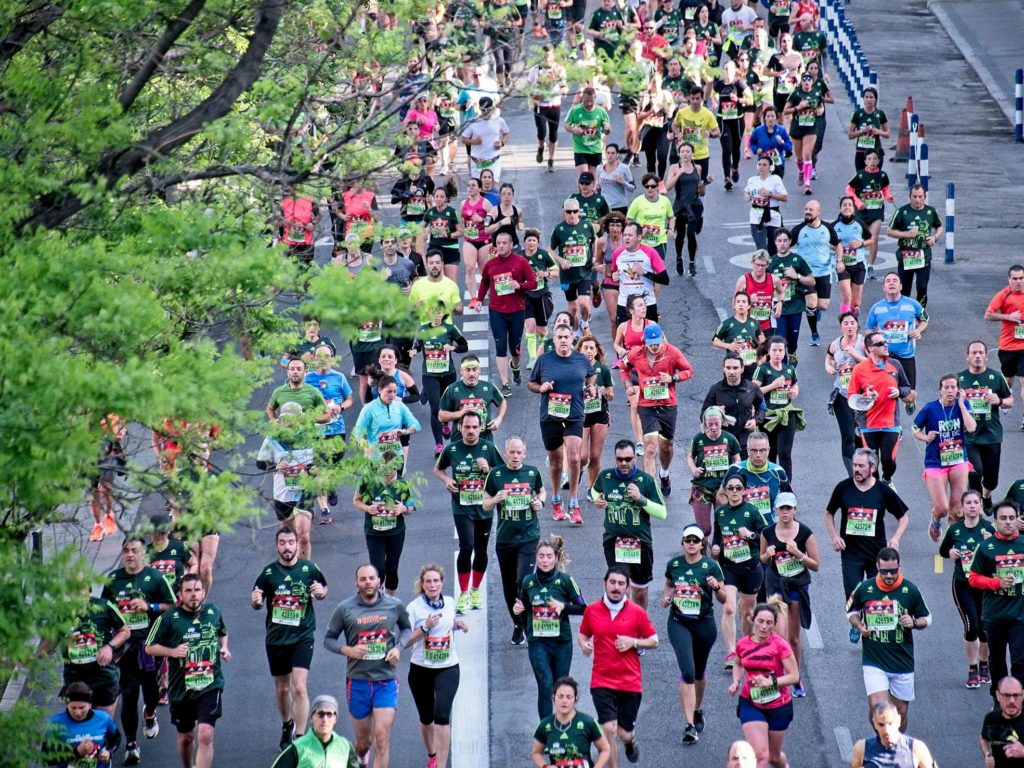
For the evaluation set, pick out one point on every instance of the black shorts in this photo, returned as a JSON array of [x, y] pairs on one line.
[[103, 695], [364, 359], [627, 105], [658, 419], [855, 273], [777, 28], [622, 314], [586, 158], [337, 453], [1011, 362], [539, 309], [553, 433], [620, 706], [640, 574], [284, 658], [748, 583], [205, 709], [449, 256], [446, 127], [576, 289], [803, 131], [578, 12], [285, 510], [598, 417], [823, 287]]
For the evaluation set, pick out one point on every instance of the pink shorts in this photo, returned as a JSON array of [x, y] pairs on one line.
[[944, 472]]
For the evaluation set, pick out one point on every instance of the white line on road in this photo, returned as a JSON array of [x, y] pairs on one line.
[[475, 344], [844, 741], [814, 636], [722, 314], [14, 689], [709, 265], [475, 326], [471, 722]]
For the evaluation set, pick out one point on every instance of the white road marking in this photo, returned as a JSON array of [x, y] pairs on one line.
[[471, 724], [814, 636], [477, 344], [475, 326], [844, 741]]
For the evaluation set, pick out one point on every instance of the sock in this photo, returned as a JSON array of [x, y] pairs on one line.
[[843, 308], [662, 472], [463, 582], [808, 170], [478, 576], [531, 345], [555, 499], [574, 502], [812, 320], [974, 667]]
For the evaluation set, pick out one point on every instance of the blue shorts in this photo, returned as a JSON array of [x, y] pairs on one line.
[[364, 696], [778, 718]]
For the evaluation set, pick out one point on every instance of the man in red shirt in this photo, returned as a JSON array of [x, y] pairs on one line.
[[505, 279], [615, 631], [1007, 307], [656, 47], [296, 226], [655, 369]]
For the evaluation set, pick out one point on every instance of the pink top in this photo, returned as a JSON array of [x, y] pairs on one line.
[[473, 219], [427, 122], [764, 659]]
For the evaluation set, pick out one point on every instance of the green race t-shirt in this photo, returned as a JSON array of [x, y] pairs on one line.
[[793, 302], [592, 121], [738, 554], [480, 397], [517, 521], [890, 646], [914, 252], [535, 592], [441, 226], [123, 587], [625, 518], [997, 557], [568, 746], [289, 601], [691, 595], [575, 244], [462, 458], [94, 629], [978, 386], [747, 333], [200, 671], [171, 561], [715, 456], [593, 208], [959, 536], [374, 492], [437, 362], [764, 374]]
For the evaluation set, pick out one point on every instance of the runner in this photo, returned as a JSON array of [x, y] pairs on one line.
[[572, 246], [684, 178], [504, 282], [854, 235], [140, 594], [614, 631], [653, 214], [659, 367], [608, 242], [112, 465], [593, 206], [474, 213], [435, 289], [588, 124], [712, 451], [539, 305], [561, 376], [995, 569], [902, 322], [779, 387], [295, 226], [690, 582], [988, 394], [384, 421], [639, 271], [615, 180], [287, 587], [629, 499], [737, 524], [740, 334], [788, 64], [471, 395], [606, 26], [869, 188], [766, 666], [485, 136], [765, 218], [551, 596], [759, 285], [764, 479], [194, 639], [369, 629], [385, 500], [917, 227], [729, 92], [961, 540], [998, 747], [655, 106], [789, 551], [629, 336], [437, 341], [549, 87], [434, 664], [580, 733], [772, 141], [843, 354], [80, 735], [412, 192], [694, 124], [738, 399], [1007, 309], [815, 240], [445, 228], [890, 747], [596, 419], [862, 502], [941, 425], [337, 394], [320, 743], [470, 458], [804, 107], [886, 610], [793, 281], [171, 557]]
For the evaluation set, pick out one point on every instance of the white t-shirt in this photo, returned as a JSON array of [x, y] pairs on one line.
[[757, 203], [733, 21], [437, 649], [488, 130], [287, 484], [633, 268]]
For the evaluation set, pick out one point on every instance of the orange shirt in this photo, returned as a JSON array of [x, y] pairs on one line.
[[881, 415], [1006, 302]]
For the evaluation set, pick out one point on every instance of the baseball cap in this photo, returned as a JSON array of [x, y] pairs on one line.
[[785, 500], [693, 530], [161, 523], [653, 334], [486, 102], [586, 178]]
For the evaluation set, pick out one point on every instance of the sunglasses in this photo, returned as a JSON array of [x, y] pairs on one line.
[[624, 458], [650, 186], [691, 540], [880, 344], [572, 211], [888, 571], [324, 713], [734, 487]]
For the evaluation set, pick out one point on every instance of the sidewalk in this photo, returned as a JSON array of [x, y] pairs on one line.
[[969, 139]]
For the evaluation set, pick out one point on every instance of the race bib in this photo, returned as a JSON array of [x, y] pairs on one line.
[[860, 521], [198, 675], [787, 565], [760, 498], [736, 549], [780, 7], [966, 558], [651, 234], [375, 642], [592, 405], [383, 518], [471, 492], [389, 442], [845, 372], [1018, 331], [788, 289], [296, 234], [415, 207], [369, 332], [873, 201], [978, 400], [806, 119], [761, 308], [437, 649], [687, 599], [748, 355], [471, 232], [519, 497], [896, 331], [913, 258], [439, 229], [655, 389], [764, 694], [730, 110], [951, 453], [504, 285], [576, 255], [559, 405], [286, 610], [627, 550], [546, 623], [589, 129], [134, 619], [436, 361], [881, 615], [865, 142], [554, 12], [1010, 565], [715, 459], [83, 648], [779, 396]]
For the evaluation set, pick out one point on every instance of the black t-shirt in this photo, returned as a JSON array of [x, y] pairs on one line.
[[998, 732], [784, 564], [862, 522]]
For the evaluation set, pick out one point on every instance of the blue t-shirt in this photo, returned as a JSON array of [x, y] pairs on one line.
[[896, 320], [98, 728], [333, 386], [948, 448], [848, 232], [762, 486], [814, 244], [569, 374]]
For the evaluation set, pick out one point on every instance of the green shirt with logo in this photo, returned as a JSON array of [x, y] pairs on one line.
[[200, 671], [738, 554], [890, 646], [171, 561], [996, 557], [793, 302], [692, 598], [535, 592], [623, 517], [714, 454], [383, 497], [746, 332], [959, 536], [978, 386], [568, 745], [288, 599], [575, 244], [517, 521], [123, 587], [593, 208], [592, 121], [94, 629], [479, 398], [462, 459]]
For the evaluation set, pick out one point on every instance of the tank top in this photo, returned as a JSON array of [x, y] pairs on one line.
[[844, 364], [399, 393], [474, 233], [686, 190], [900, 755], [760, 298], [631, 338], [357, 207], [510, 229], [803, 7]]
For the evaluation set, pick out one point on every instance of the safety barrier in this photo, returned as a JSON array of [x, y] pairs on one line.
[[950, 220], [1018, 106], [849, 59]]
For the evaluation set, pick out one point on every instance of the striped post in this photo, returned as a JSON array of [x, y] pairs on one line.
[[950, 220], [922, 164], [1018, 107], [912, 167]]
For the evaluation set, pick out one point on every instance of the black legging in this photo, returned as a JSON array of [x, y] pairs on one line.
[[687, 230], [692, 641], [732, 145], [504, 55], [907, 281], [847, 431], [1005, 636], [985, 461], [967, 600], [514, 562], [433, 387], [546, 119], [654, 145], [385, 552], [473, 537], [433, 691], [885, 445], [780, 445], [134, 677], [819, 137]]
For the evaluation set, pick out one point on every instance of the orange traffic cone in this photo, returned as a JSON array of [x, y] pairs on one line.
[[903, 136]]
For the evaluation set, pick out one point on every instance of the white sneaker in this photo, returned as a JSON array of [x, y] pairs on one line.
[[151, 726]]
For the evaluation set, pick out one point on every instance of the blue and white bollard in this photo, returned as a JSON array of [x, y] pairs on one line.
[[912, 167], [950, 220], [1018, 107], [922, 165]]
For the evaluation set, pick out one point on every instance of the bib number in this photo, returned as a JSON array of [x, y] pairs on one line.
[[880, 615], [576, 255], [787, 565], [436, 361], [764, 694], [951, 453], [383, 518], [736, 549], [437, 650], [805, 119], [545, 622], [559, 406], [913, 258], [655, 389], [198, 675], [471, 492], [687, 599], [627, 550], [503, 285], [286, 610], [861, 521]]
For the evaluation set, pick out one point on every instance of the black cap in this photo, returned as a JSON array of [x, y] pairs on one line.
[[161, 523], [586, 178], [486, 102]]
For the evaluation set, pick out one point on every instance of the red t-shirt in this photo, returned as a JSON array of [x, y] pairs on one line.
[[881, 415], [612, 668], [298, 212], [652, 392], [494, 283], [1006, 302], [764, 659]]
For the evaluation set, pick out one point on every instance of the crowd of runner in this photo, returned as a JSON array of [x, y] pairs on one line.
[[751, 78]]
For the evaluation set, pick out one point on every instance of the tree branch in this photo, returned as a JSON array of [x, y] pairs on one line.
[[174, 30], [213, 172], [28, 27]]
